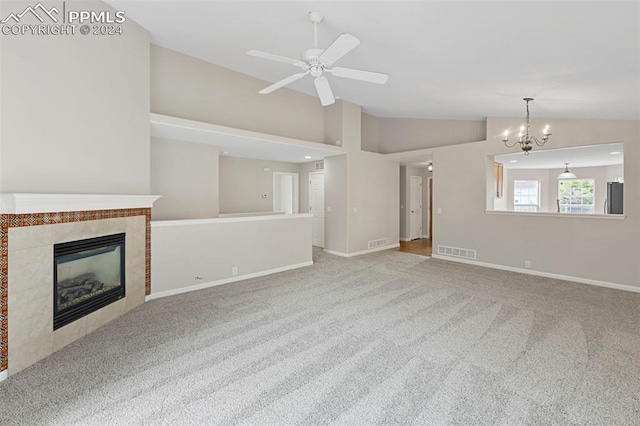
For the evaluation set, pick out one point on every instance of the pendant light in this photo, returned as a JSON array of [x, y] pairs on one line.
[[566, 174]]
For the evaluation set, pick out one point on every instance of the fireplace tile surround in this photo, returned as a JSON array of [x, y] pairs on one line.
[[26, 269]]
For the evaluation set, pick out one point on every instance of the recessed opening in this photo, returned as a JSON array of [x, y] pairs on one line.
[[88, 275]]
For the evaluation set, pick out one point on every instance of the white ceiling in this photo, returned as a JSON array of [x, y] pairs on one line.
[[457, 60], [583, 156]]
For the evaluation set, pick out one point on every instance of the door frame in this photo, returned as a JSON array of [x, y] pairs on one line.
[[430, 205], [296, 191], [421, 201]]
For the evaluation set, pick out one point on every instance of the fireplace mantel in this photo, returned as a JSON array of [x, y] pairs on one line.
[[25, 203]]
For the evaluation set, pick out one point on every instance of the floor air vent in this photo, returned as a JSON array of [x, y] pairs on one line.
[[378, 243], [456, 252]]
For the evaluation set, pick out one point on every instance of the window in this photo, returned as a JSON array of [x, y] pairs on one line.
[[526, 195], [576, 196]]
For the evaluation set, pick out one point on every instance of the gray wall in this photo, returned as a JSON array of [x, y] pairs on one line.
[[600, 249], [370, 133], [187, 87], [361, 188], [406, 134], [243, 181], [210, 250], [336, 184], [186, 175], [75, 111], [374, 190]]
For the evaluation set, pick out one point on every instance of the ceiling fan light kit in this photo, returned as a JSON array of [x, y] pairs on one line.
[[525, 140], [317, 61]]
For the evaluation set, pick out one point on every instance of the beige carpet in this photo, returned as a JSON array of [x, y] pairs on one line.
[[386, 338]]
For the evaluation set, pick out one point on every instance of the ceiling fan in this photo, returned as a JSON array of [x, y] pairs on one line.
[[317, 61]]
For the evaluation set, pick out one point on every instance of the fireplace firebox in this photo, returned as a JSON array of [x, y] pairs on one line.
[[88, 275]]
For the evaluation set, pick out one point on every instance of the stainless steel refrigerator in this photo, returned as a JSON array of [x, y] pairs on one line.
[[614, 198]]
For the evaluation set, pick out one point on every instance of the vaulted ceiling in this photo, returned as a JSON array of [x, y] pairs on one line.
[[456, 60]]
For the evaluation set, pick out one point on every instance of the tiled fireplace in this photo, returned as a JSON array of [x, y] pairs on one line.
[[32, 226]]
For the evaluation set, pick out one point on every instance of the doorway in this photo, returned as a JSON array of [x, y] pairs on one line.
[[415, 207], [285, 192], [316, 207]]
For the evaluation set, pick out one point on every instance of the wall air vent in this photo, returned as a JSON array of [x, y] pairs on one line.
[[457, 252], [378, 243], [319, 166]]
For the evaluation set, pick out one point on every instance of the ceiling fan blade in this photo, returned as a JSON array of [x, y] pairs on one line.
[[344, 44], [369, 76], [271, 56], [281, 83], [324, 91]]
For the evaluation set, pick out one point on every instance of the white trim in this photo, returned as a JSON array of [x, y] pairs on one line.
[[167, 293], [3, 375], [404, 239], [166, 120], [541, 274], [358, 253], [225, 215], [564, 215], [213, 221], [425, 236], [164, 126], [336, 253], [21, 203]]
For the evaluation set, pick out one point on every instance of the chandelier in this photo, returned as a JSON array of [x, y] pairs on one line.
[[525, 140]]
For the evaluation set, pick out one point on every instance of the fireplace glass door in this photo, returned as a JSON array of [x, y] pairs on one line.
[[88, 275]]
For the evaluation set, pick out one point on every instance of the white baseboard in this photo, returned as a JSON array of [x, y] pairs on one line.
[[181, 290], [426, 236], [541, 274], [336, 253], [404, 239], [358, 253], [3, 375]]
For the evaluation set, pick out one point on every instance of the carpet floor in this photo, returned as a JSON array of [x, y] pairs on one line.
[[385, 338]]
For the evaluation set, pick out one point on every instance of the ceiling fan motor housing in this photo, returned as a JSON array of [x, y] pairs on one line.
[[311, 58]]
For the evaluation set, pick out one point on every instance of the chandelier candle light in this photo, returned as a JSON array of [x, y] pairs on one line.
[[524, 138]]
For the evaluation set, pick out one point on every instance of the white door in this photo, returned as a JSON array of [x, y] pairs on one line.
[[415, 207], [285, 192], [316, 206]]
